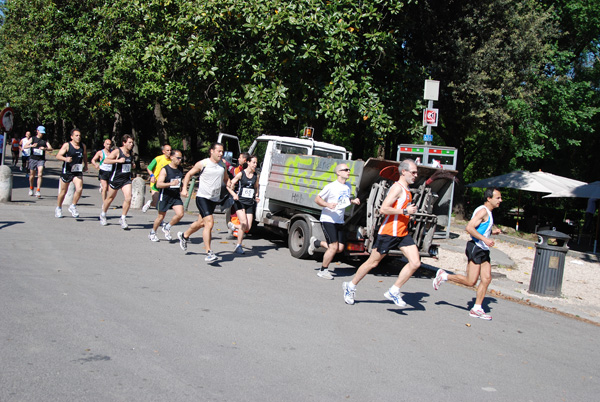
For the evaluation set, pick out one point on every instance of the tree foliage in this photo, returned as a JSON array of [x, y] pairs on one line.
[[519, 78]]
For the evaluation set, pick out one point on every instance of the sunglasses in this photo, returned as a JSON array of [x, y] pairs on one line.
[[344, 170]]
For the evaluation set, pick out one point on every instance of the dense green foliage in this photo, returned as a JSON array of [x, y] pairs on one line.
[[519, 78]]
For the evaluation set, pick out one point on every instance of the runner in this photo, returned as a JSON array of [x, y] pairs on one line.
[[245, 198], [37, 160], [14, 149], [120, 179], [154, 169], [104, 169], [74, 157], [25, 151], [212, 177], [479, 266], [397, 207], [334, 198], [169, 184]]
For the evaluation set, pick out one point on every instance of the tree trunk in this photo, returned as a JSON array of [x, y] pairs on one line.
[[116, 131], [160, 122]]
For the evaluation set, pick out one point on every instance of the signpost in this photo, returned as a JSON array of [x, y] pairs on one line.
[[7, 119]]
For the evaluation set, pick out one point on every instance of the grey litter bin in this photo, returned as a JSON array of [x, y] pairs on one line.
[[549, 263]]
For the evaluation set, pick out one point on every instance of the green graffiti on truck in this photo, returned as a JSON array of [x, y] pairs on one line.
[[311, 174]]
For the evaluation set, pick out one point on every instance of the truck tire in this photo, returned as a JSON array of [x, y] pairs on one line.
[[298, 239]]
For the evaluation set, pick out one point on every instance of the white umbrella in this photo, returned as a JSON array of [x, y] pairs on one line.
[[591, 190], [539, 182]]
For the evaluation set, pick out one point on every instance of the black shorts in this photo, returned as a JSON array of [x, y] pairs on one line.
[[68, 177], [385, 243], [166, 202], [205, 206], [476, 254], [104, 175], [249, 209], [333, 232], [117, 184]]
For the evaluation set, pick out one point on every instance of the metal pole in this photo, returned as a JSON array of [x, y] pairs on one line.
[[186, 203]]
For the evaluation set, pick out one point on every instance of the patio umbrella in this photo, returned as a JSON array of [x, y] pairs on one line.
[[591, 190], [538, 182]]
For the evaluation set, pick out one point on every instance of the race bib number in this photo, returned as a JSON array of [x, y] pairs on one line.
[[37, 151], [178, 183], [247, 192], [126, 168], [77, 168]]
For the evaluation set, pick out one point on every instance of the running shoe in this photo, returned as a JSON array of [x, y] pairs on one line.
[[146, 206], [58, 212], [123, 223], [167, 233], [231, 226], [311, 245], [73, 211], [348, 293], [30, 192], [397, 299], [38, 194], [103, 221], [182, 241], [210, 257], [153, 237], [480, 314], [439, 278], [239, 249], [325, 274]]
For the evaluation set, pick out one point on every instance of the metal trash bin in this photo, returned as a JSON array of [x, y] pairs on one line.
[[549, 263]]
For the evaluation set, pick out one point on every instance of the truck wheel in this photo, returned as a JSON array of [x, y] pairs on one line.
[[298, 238]]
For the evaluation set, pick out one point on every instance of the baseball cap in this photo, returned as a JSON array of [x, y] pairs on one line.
[[41, 129]]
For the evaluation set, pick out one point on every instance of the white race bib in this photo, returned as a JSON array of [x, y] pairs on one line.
[[126, 168], [77, 167], [178, 183], [247, 192], [37, 151]]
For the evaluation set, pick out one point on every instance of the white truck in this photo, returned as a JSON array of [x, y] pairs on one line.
[[294, 170]]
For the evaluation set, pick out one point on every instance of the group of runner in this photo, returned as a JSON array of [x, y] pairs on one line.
[[169, 185]]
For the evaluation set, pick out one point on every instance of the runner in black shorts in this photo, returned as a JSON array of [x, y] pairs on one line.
[[168, 183], [122, 158], [74, 157], [104, 169], [245, 198]]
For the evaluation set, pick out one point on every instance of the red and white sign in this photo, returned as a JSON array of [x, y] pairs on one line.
[[430, 117], [7, 118]]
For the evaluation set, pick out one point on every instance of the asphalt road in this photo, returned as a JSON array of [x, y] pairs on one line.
[[92, 313]]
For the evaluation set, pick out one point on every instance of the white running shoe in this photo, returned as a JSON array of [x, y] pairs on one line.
[[325, 274], [348, 293], [210, 257], [167, 233], [182, 241], [58, 212], [73, 211], [480, 314], [146, 206], [231, 226], [38, 194], [239, 249], [123, 223], [311, 245], [439, 278], [397, 299], [153, 237], [30, 192], [103, 221]]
